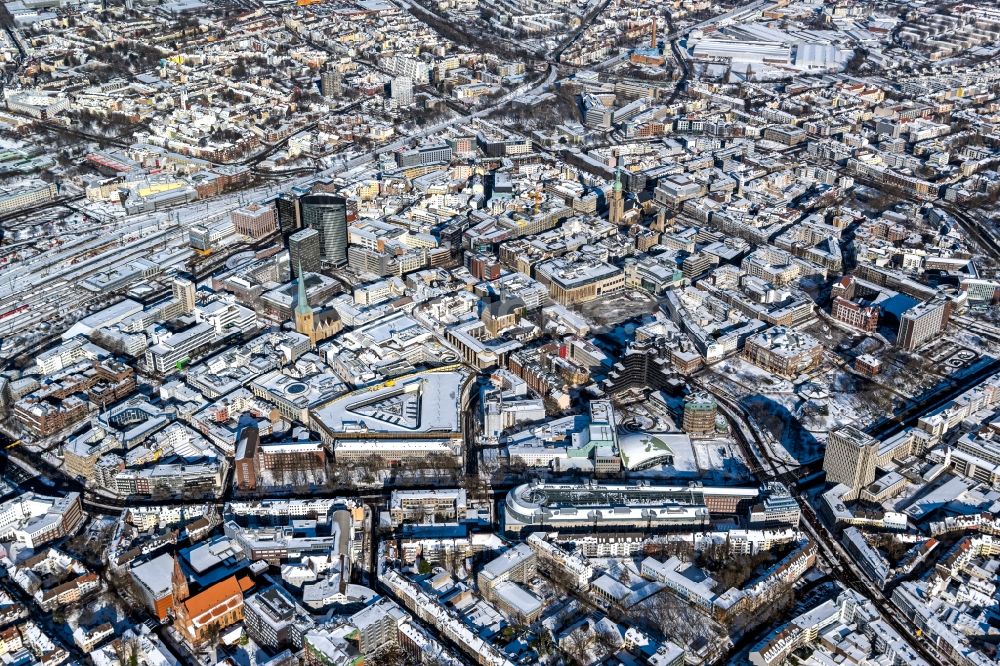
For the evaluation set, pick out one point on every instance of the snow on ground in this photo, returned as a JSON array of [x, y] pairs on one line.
[[247, 653], [721, 459], [749, 377], [95, 611], [620, 307], [489, 460], [305, 478], [800, 414]]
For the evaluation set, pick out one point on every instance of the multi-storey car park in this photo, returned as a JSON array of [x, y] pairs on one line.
[[411, 416]]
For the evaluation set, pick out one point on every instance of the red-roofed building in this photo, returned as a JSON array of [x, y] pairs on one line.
[[212, 609]]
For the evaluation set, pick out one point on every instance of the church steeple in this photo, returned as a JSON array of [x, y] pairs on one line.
[[304, 322], [616, 207], [301, 301]]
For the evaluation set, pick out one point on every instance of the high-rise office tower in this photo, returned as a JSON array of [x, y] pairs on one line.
[[922, 322], [183, 292], [401, 90], [289, 213], [327, 214], [304, 251], [255, 220], [330, 82], [850, 458], [700, 410]]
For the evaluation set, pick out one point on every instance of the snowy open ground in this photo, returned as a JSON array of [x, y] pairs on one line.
[[801, 413]]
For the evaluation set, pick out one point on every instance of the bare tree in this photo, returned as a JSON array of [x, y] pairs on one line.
[[212, 634], [608, 639], [476, 487], [578, 645], [558, 575], [418, 514], [126, 650], [389, 654], [123, 583], [666, 614]]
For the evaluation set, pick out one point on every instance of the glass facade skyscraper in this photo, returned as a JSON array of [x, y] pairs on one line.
[[327, 214]]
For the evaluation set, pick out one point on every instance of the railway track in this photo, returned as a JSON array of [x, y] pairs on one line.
[[55, 203], [770, 469], [973, 227]]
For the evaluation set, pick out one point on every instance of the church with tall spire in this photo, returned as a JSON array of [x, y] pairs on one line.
[[616, 206], [317, 326]]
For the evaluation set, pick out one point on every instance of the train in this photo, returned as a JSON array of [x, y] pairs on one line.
[[15, 311]]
